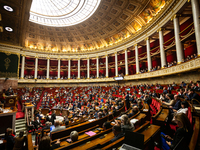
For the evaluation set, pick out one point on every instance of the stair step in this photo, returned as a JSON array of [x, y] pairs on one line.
[[18, 123], [18, 120], [22, 121], [19, 126], [17, 130]]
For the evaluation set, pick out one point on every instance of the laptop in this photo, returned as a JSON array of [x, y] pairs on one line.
[[52, 127], [133, 141]]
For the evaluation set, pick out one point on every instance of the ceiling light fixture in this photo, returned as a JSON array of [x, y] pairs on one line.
[[8, 8], [9, 29]]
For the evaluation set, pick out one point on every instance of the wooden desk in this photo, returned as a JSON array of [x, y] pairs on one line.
[[159, 119], [10, 101], [95, 142], [84, 141], [149, 132], [7, 120]]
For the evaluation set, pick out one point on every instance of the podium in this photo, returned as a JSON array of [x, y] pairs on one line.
[[10, 101]]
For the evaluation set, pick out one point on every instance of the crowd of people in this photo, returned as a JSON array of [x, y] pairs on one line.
[[95, 102]]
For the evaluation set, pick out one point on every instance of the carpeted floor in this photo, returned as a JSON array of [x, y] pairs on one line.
[[19, 114]]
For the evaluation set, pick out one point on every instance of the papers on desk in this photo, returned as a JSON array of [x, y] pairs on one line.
[[1, 141], [133, 121], [197, 108], [90, 133], [91, 120], [145, 110], [6, 110]]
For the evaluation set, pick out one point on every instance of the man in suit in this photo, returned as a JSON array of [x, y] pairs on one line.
[[117, 132], [38, 123], [31, 124], [127, 101], [53, 116], [57, 126]]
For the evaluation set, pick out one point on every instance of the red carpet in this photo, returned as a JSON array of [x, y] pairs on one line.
[[19, 115]]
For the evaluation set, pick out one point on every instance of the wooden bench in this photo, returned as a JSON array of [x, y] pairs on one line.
[[195, 135], [82, 126], [149, 131]]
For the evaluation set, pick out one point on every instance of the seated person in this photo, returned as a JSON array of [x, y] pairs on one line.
[[184, 108], [74, 136], [57, 126], [37, 123], [117, 133], [31, 124], [45, 144], [133, 112], [106, 125], [184, 131], [169, 100], [126, 125]]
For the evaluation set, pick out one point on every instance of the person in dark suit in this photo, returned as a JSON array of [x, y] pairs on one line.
[[127, 101], [38, 124], [31, 125], [45, 144], [10, 140], [192, 95], [117, 132], [53, 116]]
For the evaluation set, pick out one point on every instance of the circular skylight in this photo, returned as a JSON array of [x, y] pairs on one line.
[[62, 13]]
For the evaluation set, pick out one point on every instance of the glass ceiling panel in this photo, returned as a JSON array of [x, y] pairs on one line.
[[62, 12]]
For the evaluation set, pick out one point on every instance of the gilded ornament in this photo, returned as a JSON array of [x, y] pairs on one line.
[[7, 61]]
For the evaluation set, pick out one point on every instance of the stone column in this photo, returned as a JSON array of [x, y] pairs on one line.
[[148, 54], [69, 68], [137, 59], [48, 65], [195, 13], [36, 67], [162, 50], [97, 64], [107, 66], [22, 67], [116, 65], [58, 68], [126, 61], [79, 71], [88, 68], [179, 48]]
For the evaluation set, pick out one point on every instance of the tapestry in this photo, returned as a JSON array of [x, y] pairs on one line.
[[9, 65]]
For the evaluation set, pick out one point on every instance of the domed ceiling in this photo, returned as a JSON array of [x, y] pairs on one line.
[[112, 23]]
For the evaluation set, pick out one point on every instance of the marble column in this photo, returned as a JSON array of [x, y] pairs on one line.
[[116, 65], [58, 68], [36, 67], [107, 66], [97, 64], [195, 13], [162, 50], [137, 59], [126, 61], [148, 54], [79, 71], [88, 68], [179, 48], [48, 65], [22, 67], [69, 68]]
